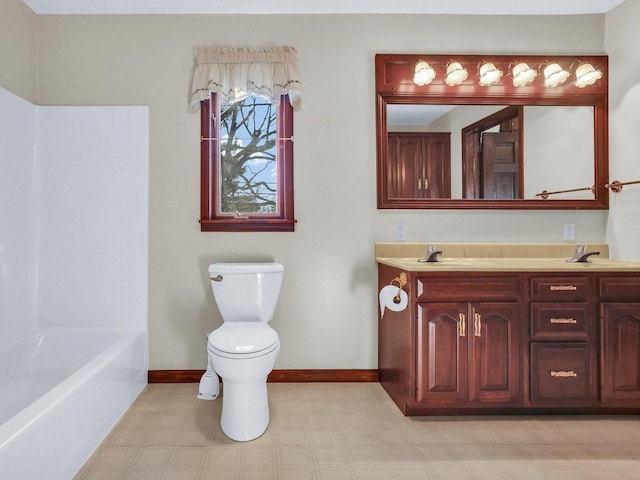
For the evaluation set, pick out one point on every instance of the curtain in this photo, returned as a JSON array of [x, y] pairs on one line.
[[236, 73]]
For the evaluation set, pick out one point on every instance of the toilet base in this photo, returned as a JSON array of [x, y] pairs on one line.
[[245, 410]]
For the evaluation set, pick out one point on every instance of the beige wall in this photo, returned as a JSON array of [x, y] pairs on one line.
[[623, 228], [18, 38], [326, 316]]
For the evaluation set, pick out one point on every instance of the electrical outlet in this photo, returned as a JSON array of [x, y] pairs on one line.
[[401, 232], [569, 231]]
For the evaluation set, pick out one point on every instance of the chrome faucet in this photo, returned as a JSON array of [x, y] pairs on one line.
[[432, 255], [581, 255]]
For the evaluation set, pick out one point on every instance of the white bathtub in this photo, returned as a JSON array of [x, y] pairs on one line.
[[61, 391]]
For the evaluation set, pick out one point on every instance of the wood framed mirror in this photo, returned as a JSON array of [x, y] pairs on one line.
[[522, 142]]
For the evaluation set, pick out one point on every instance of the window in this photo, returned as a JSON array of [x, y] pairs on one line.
[[247, 97], [247, 165]]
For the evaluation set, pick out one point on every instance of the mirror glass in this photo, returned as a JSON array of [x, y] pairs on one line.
[[508, 145], [551, 134]]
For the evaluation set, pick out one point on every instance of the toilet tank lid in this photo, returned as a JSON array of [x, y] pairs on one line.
[[246, 268]]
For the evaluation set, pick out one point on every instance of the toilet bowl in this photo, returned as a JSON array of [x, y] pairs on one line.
[[244, 349], [245, 408]]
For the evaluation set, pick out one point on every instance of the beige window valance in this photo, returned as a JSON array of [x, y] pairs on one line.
[[236, 73]]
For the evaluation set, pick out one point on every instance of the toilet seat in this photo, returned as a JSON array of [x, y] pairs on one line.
[[243, 340]]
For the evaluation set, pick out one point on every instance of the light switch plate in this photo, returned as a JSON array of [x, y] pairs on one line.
[[401, 232], [569, 231]]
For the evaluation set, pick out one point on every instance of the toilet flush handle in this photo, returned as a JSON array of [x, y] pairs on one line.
[[217, 279]]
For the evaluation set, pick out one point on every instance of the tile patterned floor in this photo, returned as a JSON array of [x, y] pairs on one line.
[[352, 431]]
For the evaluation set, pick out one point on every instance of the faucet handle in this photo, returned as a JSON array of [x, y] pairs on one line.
[[580, 250]]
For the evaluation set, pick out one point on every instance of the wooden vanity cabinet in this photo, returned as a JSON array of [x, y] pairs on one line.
[[513, 342], [456, 345], [620, 340]]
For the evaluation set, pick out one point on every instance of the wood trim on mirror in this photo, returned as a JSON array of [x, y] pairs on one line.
[[394, 85]]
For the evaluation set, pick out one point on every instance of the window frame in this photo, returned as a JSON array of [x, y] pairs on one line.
[[210, 220]]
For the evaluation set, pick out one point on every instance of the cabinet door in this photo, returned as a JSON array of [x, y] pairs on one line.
[[404, 166], [493, 352], [419, 165], [442, 353], [620, 356], [437, 166]]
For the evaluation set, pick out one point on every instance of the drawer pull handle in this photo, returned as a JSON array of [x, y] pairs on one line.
[[477, 323], [563, 320], [563, 288], [462, 329], [563, 373]]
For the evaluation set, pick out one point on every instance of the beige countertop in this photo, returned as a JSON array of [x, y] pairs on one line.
[[514, 257]]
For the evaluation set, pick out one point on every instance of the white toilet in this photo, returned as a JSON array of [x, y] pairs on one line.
[[244, 349]]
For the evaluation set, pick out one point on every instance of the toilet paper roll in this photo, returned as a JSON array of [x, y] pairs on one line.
[[387, 299]]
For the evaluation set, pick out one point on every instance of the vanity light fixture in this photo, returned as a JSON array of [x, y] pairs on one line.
[[555, 75], [523, 74], [491, 70], [489, 74], [456, 74], [586, 74], [423, 73]]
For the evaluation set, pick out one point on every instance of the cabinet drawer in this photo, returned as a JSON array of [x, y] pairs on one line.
[[620, 288], [560, 289], [560, 321], [467, 289], [559, 371]]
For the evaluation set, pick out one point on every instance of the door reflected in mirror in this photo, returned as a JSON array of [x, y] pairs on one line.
[[504, 153]]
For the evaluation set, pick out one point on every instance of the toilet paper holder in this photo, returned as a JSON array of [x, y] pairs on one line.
[[401, 280]]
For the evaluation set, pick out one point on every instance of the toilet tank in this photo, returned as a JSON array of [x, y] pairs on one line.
[[246, 292]]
